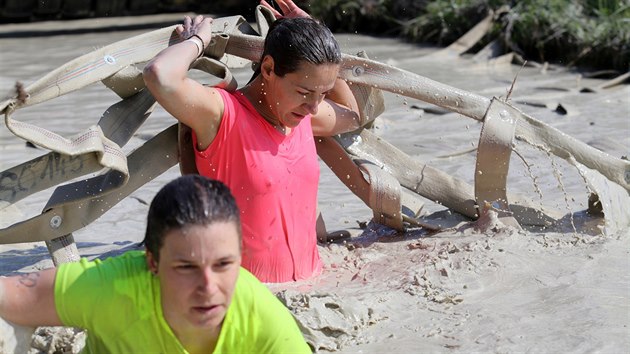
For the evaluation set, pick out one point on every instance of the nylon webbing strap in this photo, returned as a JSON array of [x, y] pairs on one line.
[[113, 65], [217, 69], [105, 62], [74, 206], [126, 82], [399, 81], [264, 19], [369, 99], [119, 121], [224, 27], [122, 120], [43, 172], [90, 141], [425, 180], [385, 196], [96, 66], [493, 160], [146, 163]]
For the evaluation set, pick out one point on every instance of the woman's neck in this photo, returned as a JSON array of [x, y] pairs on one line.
[[255, 92], [199, 342]]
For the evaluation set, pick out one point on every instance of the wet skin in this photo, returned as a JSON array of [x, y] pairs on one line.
[[198, 268]]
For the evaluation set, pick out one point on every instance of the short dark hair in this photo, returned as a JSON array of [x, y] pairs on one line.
[[290, 41], [188, 200]]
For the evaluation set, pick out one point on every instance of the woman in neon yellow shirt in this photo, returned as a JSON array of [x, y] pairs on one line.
[[186, 293]]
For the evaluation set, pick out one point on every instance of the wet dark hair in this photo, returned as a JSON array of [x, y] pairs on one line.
[[291, 41], [188, 200]]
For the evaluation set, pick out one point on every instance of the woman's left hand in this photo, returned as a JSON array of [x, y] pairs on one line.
[[199, 25], [288, 7]]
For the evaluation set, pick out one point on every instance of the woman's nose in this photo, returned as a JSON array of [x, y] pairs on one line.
[[208, 281], [311, 106]]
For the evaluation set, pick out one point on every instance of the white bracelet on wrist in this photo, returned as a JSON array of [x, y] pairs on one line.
[[198, 43]]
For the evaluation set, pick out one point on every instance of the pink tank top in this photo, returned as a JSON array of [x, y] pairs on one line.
[[274, 179]]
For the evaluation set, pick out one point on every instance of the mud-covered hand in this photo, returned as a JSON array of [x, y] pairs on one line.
[[288, 7], [198, 26]]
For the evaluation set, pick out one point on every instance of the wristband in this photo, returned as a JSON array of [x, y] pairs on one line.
[[200, 46]]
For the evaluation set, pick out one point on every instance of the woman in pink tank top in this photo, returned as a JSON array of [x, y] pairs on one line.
[[259, 140]]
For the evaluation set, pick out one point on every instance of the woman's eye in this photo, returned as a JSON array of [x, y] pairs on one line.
[[224, 264]]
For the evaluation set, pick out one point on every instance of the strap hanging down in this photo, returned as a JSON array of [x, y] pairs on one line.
[[493, 160], [99, 146]]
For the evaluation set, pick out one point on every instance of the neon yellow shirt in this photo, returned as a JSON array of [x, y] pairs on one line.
[[118, 302]]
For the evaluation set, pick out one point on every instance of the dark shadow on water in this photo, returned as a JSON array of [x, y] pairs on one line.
[[129, 246], [377, 233], [13, 260], [570, 224]]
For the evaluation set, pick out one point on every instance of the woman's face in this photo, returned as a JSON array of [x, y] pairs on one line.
[[298, 94], [198, 269]]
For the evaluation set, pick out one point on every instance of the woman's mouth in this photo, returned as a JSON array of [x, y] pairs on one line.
[[207, 310]]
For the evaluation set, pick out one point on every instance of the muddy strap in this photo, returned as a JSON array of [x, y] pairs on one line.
[[67, 214], [76, 205], [384, 196], [92, 141], [528, 129], [493, 161], [104, 62], [264, 19], [386, 77], [119, 122]]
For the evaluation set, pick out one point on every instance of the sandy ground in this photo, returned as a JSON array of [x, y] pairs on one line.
[[473, 287]]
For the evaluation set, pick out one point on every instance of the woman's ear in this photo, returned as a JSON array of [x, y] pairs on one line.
[[266, 67], [151, 262]]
